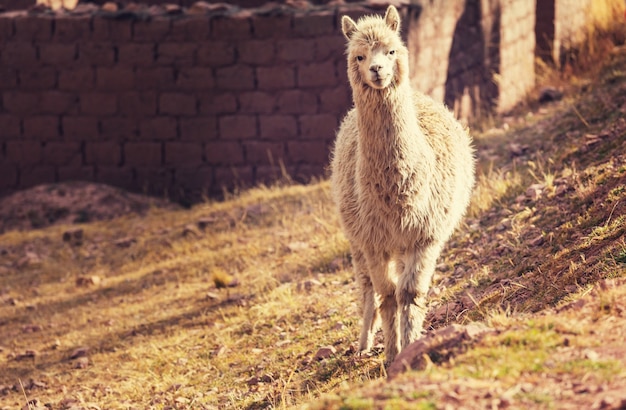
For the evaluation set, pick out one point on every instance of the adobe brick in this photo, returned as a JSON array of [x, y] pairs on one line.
[[257, 52], [269, 174], [10, 126], [297, 102], [79, 128], [318, 127], [35, 175], [195, 78], [229, 178], [107, 153], [138, 104], [198, 129], [142, 54], [41, 127], [264, 153], [216, 53], [115, 78], [8, 175], [155, 78], [18, 54], [154, 30], [23, 153], [336, 100], [118, 128], [257, 102], [117, 176], [303, 173], [8, 78], [275, 78], [37, 79], [82, 79], [314, 24], [238, 77], [98, 103], [71, 28], [20, 102], [183, 153], [217, 103], [341, 68], [177, 104], [237, 126], [191, 28], [308, 152], [97, 54], [76, 173], [62, 154], [265, 26], [232, 27], [317, 74], [105, 30], [198, 179], [223, 153], [57, 54], [158, 128], [278, 127], [295, 50], [331, 46], [176, 53], [154, 180], [33, 27], [143, 153], [6, 27]]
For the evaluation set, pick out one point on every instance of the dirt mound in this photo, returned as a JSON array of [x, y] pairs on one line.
[[71, 202]]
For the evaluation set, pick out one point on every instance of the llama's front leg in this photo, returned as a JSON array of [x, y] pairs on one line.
[[385, 287], [369, 310], [413, 285]]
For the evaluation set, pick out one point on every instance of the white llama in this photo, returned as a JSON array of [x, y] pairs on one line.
[[402, 176]]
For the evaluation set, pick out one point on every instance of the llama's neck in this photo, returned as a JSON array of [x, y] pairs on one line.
[[389, 135]]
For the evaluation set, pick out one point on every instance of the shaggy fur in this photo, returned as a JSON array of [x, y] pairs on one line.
[[402, 176]]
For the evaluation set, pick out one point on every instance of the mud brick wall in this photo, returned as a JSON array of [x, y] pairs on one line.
[[192, 103], [172, 105]]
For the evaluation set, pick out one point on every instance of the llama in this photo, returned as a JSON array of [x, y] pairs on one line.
[[402, 172]]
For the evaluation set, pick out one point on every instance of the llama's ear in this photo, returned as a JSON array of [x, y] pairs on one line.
[[392, 18], [348, 26]]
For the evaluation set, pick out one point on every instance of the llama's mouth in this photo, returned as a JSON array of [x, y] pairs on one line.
[[380, 81]]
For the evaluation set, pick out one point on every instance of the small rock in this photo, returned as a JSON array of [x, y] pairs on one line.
[[81, 363], [549, 94], [86, 281], [73, 236], [253, 381], [297, 246], [190, 230], [591, 355], [173, 9], [212, 296], [538, 241], [79, 352], [28, 354], [125, 242], [325, 352], [308, 285], [339, 326]]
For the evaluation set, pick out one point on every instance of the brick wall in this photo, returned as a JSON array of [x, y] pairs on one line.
[[191, 103]]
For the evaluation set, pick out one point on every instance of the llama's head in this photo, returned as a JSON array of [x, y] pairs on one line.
[[377, 57]]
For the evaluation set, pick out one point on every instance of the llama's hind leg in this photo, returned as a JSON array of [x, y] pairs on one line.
[[369, 308], [385, 289], [413, 285]]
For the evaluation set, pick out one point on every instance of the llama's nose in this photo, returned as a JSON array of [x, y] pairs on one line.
[[375, 68]]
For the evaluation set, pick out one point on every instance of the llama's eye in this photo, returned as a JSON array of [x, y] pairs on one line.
[[360, 58], [392, 52]]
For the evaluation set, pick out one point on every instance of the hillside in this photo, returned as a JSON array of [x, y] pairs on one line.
[[250, 302]]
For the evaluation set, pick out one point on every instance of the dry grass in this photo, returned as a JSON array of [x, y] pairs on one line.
[[226, 304]]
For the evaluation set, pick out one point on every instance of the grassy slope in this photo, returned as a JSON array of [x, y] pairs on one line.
[[158, 327]]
